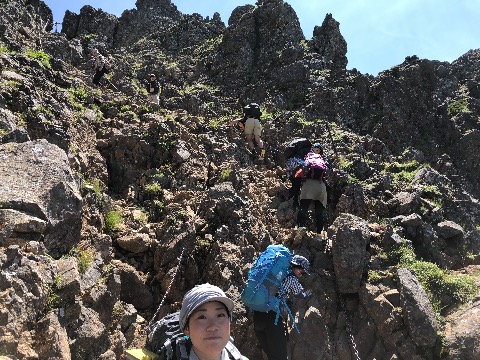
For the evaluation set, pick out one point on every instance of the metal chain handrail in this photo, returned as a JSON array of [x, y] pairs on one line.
[[169, 286], [348, 323]]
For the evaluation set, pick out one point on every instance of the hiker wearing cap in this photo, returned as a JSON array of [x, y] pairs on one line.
[[313, 190], [272, 338], [153, 88], [205, 318], [98, 66]]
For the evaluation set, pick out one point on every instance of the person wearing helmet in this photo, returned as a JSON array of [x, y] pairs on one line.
[[272, 338], [205, 318], [153, 89]]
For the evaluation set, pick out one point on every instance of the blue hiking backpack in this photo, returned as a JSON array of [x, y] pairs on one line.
[[265, 280]]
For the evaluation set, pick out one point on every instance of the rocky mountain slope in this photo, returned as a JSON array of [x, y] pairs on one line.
[[111, 208]]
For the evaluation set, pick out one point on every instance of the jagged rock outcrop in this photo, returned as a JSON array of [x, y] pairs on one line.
[[90, 22], [24, 22], [328, 42], [9, 131], [251, 53], [39, 186]]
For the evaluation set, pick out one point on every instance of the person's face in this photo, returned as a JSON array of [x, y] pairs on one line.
[[298, 271], [152, 78], [316, 150], [209, 329]]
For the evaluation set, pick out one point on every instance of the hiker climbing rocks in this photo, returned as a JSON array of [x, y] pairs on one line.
[[313, 190], [294, 154], [272, 337], [205, 318], [153, 88], [99, 66], [250, 124]]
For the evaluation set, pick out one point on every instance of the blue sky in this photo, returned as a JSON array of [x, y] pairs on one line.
[[379, 33]]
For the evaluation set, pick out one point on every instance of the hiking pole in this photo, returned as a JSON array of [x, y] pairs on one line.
[[110, 83]]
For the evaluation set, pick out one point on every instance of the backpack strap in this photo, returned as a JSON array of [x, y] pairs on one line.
[[182, 353], [168, 349], [289, 314], [233, 352]]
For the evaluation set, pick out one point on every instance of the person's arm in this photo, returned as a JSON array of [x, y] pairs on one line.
[[293, 286], [234, 122], [300, 173]]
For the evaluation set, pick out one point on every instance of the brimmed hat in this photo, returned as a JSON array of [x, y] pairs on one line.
[[317, 145], [199, 295], [301, 261], [152, 75]]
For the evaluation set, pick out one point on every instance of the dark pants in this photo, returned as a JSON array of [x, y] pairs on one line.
[[272, 338], [294, 190], [98, 75], [303, 211]]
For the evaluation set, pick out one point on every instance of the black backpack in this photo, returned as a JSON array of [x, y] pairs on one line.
[[297, 148], [252, 111], [165, 338]]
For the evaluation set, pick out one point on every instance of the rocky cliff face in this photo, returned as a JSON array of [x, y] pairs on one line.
[[109, 204]]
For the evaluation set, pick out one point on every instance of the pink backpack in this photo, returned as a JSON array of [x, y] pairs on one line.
[[315, 165]]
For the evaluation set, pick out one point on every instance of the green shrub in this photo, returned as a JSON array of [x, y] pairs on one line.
[[225, 175], [457, 107], [437, 282], [125, 108], [78, 94], [96, 186], [402, 172], [154, 189], [40, 56], [112, 220], [53, 300], [85, 259], [3, 49]]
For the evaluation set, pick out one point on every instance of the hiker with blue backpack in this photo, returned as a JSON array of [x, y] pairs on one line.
[[273, 277], [312, 175], [273, 338]]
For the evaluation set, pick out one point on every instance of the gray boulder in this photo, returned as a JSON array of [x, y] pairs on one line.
[[349, 251], [462, 333], [418, 313], [38, 187]]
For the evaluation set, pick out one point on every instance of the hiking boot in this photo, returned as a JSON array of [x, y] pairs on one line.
[[262, 154], [298, 236]]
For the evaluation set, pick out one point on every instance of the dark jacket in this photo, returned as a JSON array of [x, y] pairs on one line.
[[153, 85]]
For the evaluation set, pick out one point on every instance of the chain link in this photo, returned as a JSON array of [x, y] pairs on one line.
[[341, 298], [348, 327], [169, 286]]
